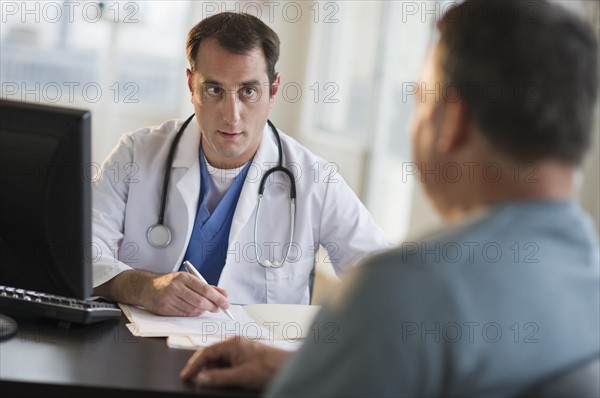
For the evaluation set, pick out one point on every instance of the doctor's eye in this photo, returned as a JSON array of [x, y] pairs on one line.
[[250, 94], [214, 91]]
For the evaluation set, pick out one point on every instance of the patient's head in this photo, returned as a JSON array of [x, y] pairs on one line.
[[518, 84]]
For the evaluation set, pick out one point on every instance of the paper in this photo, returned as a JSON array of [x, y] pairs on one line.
[[267, 322], [285, 321], [195, 342], [146, 324]]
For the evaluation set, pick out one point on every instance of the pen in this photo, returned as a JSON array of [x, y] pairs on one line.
[[192, 270]]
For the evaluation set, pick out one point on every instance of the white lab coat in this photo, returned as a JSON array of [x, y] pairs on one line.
[[126, 201]]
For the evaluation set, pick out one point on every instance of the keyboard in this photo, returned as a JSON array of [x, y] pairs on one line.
[[27, 302]]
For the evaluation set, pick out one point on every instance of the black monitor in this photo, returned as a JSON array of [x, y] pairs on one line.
[[45, 199]]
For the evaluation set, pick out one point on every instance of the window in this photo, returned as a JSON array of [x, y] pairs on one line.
[[347, 66], [123, 60], [372, 57]]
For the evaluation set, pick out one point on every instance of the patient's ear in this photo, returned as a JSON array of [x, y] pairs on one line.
[[455, 129]]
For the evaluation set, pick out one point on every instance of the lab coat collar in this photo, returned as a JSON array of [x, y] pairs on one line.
[[267, 153], [187, 149]]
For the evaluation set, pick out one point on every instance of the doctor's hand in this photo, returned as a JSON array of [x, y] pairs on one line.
[[235, 363], [173, 294], [182, 294]]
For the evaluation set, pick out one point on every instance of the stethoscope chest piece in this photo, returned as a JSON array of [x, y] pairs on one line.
[[159, 235]]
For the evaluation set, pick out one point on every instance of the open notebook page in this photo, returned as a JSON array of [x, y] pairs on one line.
[[146, 324]]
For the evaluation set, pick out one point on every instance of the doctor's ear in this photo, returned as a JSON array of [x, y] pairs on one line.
[[275, 86], [190, 80]]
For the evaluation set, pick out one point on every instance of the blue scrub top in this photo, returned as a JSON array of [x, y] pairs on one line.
[[207, 249]]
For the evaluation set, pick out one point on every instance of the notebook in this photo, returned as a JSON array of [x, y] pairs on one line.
[[282, 325]]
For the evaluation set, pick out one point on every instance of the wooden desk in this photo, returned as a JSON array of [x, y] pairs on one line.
[[100, 360]]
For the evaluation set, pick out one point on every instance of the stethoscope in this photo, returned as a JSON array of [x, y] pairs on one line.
[[159, 235]]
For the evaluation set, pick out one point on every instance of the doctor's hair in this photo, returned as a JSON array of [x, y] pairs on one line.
[[237, 33], [541, 58]]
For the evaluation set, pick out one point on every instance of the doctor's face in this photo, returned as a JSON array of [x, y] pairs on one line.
[[232, 100]]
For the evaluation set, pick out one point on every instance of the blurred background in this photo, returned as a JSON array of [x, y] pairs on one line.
[[348, 70]]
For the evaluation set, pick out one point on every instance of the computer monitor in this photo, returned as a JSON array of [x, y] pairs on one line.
[[45, 199]]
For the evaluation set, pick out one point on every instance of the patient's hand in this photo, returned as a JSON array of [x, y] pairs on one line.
[[235, 363]]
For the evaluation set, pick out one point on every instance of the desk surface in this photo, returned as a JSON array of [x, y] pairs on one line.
[[103, 359]]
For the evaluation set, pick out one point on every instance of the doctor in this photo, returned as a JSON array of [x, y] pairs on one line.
[[193, 187]]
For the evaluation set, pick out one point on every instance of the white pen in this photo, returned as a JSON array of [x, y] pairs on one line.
[[192, 270]]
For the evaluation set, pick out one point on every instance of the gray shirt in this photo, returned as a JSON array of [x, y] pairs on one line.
[[485, 309]]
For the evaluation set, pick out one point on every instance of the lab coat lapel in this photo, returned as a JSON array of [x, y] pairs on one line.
[[266, 157], [185, 174]]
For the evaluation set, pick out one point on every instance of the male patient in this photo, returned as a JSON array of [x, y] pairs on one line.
[[510, 294]]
